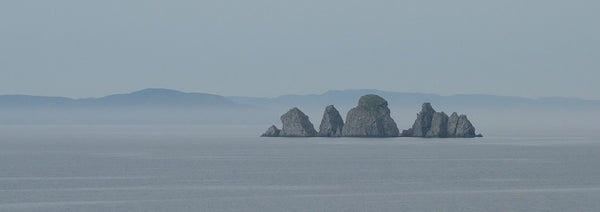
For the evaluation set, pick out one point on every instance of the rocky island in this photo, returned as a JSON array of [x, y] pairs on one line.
[[332, 123], [371, 118], [432, 124], [295, 124]]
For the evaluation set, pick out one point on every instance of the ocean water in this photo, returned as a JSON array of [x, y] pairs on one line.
[[230, 168]]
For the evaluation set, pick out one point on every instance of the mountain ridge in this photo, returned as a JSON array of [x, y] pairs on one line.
[[151, 97], [161, 97], [347, 98], [166, 106]]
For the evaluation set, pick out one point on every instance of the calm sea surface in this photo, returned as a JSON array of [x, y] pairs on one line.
[[230, 168]]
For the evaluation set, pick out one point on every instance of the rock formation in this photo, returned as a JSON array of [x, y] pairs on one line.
[[464, 128], [296, 124], [430, 123], [332, 123], [271, 132], [439, 125], [452, 123], [371, 118], [423, 122]]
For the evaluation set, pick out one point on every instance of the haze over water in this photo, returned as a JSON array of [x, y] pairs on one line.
[[525, 72], [230, 168]]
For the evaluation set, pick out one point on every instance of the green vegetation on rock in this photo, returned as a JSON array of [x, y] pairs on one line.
[[372, 102]]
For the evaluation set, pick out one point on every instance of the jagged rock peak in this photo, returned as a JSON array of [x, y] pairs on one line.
[[430, 123], [423, 123], [439, 125], [426, 108], [296, 124], [464, 128], [332, 123], [271, 132], [371, 118]]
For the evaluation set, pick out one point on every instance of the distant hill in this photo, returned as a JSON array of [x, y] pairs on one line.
[[164, 106], [348, 98], [143, 99], [149, 106], [165, 98]]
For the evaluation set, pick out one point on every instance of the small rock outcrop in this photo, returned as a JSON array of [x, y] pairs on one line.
[[271, 132], [332, 123], [296, 124], [371, 118], [464, 128], [430, 123]]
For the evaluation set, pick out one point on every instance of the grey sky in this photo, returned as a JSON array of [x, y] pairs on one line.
[[272, 47]]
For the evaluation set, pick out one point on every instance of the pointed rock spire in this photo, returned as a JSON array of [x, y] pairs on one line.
[[464, 128], [439, 125], [332, 123], [296, 124], [423, 122]]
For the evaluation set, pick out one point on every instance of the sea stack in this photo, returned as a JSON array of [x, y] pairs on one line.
[[332, 123], [431, 124], [371, 118], [271, 132], [423, 122], [464, 128], [296, 124]]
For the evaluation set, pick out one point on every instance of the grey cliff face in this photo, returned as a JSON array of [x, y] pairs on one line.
[[464, 128], [452, 123], [371, 118], [271, 132], [296, 124], [332, 123], [423, 122], [437, 124]]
